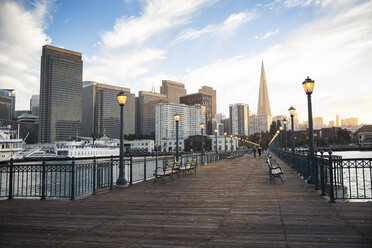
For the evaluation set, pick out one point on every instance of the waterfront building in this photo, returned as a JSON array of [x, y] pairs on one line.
[[173, 90], [364, 135], [6, 104], [101, 111], [189, 123], [201, 99], [12, 94], [170, 145], [34, 105], [146, 111], [210, 91], [135, 146], [10, 145], [60, 94], [239, 119], [221, 143]]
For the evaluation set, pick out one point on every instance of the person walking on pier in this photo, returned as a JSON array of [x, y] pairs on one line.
[[254, 151], [259, 151]]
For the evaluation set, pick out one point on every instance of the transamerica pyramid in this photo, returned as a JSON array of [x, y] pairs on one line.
[[263, 107]]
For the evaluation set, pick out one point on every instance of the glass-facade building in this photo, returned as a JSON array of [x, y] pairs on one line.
[[101, 111], [60, 95]]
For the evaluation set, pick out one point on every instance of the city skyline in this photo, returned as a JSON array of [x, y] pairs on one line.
[[214, 43]]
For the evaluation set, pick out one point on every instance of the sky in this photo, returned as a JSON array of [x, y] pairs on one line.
[[219, 43]]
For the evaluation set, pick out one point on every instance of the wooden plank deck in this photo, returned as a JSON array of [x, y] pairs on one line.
[[226, 204]]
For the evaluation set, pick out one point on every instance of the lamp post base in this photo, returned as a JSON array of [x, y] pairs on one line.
[[121, 183], [310, 180]]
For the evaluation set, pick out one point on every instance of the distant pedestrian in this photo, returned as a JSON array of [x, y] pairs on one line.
[[254, 152], [259, 151]]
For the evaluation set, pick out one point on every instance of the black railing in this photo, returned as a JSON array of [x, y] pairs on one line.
[[336, 177], [72, 179]]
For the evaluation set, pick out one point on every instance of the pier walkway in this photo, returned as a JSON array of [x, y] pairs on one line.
[[229, 203]]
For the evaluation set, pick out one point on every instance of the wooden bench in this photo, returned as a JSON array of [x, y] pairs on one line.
[[275, 171], [168, 170], [189, 165]]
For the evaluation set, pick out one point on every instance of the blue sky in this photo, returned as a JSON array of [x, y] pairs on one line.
[[219, 43]]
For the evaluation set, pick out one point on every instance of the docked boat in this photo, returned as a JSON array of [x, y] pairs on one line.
[[10, 146]]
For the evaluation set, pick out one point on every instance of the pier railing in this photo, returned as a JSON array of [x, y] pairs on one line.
[[336, 177], [72, 179]]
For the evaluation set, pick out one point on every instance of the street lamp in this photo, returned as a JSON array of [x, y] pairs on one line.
[[284, 121], [177, 117], [308, 85], [231, 144], [202, 147], [122, 99], [215, 132], [292, 111], [225, 134]]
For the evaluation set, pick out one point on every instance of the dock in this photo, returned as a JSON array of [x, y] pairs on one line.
[[229, 203]]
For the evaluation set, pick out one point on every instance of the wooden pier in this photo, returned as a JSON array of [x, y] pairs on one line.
[[230, 203]]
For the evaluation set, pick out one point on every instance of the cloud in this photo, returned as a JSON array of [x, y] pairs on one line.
[[22, 34], [230, 24], [334, 50], [157, 16], [267, 35]]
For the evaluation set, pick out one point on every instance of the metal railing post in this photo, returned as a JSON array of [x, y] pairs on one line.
[[131, 170], [322, 172], [43, 185], [332, 196], [10, 196], [144, 169], [73, 179], [94, 174], [112, 173]]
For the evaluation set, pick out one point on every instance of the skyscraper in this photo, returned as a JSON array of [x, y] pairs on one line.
[[146, 111], [239, 118], [262, 121], [263, 107], [201, 99], [6, 107], [34, 105], [189, 124], [337, 120], [173, 90], [60, 94], [101, 111], [12, 94], [210, 91]]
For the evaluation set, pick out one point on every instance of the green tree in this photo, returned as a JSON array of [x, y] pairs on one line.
[[344, 135]]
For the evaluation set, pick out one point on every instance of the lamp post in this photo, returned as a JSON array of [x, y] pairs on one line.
[[122, 99], [177, 117], [308, 85], [202, 147], [215, 132], [231, 144], [225, 134], [280, 140], [284, 121], [292, 111]]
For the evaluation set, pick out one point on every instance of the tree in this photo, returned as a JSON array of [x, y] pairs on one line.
[[344, 135], [273, 128]]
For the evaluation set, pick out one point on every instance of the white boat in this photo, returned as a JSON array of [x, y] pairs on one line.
[[103, 147], [10, 147]]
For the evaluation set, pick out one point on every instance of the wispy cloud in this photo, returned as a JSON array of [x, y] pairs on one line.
[[230, 24], [22, 34], [157, 16], [267, 35]]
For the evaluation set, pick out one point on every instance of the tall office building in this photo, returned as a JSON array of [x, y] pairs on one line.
[[146, 111], [101, 111], [337, 120], [173, 90], [6, 104], [318, 123], [262, 121], [239, 119], [12, 94], [189, 124], [202, 100], [34, 105], [61, 74], [210, 91]]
